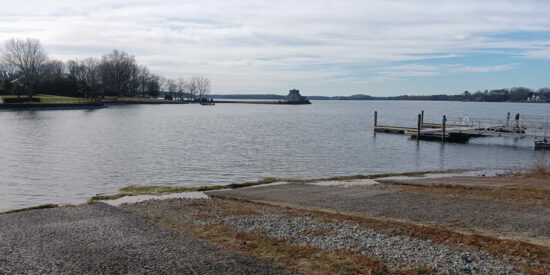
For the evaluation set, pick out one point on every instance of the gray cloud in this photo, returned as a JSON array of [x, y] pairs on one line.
[[250, 46]]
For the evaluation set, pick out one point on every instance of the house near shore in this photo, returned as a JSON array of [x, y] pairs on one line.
[[295, 97]]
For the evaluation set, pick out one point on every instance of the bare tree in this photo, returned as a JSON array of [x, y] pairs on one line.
[[118, 73], [52, 71], [26, 57], [86, 74], [143, 77], [202, 85], [153, 86], [163, 83], [182, 87], [192, 88], [92, 78], [172, 87]]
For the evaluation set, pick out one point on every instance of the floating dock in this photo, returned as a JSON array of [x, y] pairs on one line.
[[462, 129]]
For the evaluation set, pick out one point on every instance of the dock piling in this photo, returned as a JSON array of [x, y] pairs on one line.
[[443, 128], [419, 126], [375, 118], [422, 113]]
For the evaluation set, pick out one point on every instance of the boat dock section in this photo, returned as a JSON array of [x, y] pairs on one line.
[[462, 129]]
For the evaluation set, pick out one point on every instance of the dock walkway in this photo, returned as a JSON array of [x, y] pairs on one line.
[[462, 129]]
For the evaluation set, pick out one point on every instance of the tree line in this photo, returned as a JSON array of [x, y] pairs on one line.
[[517, 94], [32, 71]]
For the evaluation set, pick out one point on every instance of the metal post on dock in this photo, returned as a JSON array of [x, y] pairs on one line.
[[517, 123], [418, 128], [443, 128], [422, 113], [508, 119], [375, 118]]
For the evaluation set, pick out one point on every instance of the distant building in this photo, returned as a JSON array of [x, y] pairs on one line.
[[294, 96], [534, 99]]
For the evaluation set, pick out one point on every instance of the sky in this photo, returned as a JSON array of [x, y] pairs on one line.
[[380, 48]]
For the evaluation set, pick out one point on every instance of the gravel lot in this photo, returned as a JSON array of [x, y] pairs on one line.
[[394, 250], [497, 218], [103, 239]]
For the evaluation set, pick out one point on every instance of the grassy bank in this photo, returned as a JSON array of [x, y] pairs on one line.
[[49, 99], [536, 171], [42, 206]]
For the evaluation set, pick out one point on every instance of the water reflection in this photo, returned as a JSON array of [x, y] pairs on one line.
[[69, 155]]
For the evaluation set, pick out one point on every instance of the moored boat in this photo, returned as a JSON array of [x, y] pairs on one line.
[[543, 144]]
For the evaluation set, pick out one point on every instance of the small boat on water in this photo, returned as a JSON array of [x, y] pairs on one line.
[[543, 144], [205, 101]]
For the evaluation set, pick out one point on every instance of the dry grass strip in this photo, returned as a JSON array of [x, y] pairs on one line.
[[438, 234], [301, 258], [531, 196]]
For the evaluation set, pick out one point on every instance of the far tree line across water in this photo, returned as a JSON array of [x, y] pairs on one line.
[[518, 94], [26, 70]]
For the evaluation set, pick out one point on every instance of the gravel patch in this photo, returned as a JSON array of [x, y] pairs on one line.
[[395, 250], [485, 216], [103, 239]]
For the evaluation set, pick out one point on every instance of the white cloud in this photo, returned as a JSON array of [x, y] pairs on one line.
[[251, 46], [482, 69], [539, 53]]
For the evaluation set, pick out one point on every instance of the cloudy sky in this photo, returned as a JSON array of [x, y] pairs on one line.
[[320, 47]]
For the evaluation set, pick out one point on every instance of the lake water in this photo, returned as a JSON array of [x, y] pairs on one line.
[[66, 156]]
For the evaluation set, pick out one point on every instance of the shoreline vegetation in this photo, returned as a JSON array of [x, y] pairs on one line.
[[27, 70]]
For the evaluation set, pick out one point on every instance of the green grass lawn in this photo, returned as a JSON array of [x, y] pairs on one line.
[[45, 99]]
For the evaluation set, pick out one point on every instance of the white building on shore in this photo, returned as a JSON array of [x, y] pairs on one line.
[[294, 96]]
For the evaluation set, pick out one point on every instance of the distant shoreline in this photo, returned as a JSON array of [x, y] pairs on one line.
[[519, 94]]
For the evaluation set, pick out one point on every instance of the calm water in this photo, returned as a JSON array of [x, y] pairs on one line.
[[66, 156]]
